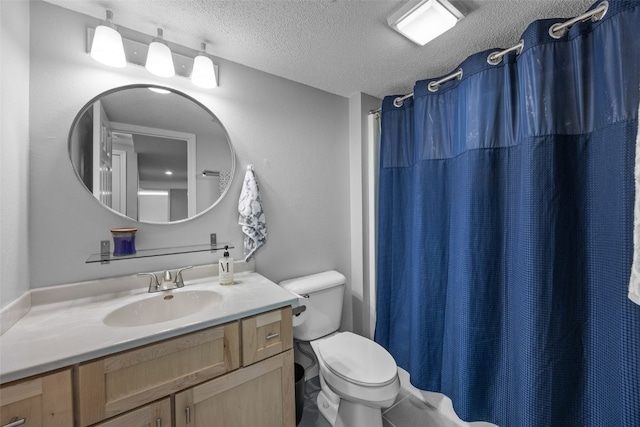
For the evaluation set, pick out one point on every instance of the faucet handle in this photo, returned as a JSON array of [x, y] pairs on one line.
[[179, 282], [166, 277], [152, 278]]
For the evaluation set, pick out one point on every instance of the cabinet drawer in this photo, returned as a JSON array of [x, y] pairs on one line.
[[266, 334], [41, 401], [157, 414], [118, 383]]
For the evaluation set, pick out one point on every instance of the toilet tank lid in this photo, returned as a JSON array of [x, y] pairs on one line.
[[314, 282]]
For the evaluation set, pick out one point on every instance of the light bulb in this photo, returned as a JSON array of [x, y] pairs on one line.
[[203, 74], [107, 47], [159, 90], [159, 60]]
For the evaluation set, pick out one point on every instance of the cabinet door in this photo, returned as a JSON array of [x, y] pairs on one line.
[[266, 334], [260, 395], [42, 401], [157, 414], [118, 383]]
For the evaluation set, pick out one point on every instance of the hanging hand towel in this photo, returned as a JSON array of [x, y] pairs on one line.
[[252, 219], [634, 282]]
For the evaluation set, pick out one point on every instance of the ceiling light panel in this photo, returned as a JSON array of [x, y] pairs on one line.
[[424, 20]]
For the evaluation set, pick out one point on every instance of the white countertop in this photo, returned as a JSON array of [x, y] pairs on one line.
[[58, 334]]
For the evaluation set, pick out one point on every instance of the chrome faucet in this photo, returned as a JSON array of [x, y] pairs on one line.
[[167, 283]]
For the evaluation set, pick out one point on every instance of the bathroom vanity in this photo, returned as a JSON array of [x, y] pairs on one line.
[[230, 363]]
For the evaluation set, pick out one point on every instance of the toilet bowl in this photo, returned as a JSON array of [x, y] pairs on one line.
[[358, 377]]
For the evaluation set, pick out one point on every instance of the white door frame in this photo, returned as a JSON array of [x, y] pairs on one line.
[[119, 157], [170, 134]]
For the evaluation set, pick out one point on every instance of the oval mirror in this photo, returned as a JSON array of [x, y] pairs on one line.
[[151, 154]]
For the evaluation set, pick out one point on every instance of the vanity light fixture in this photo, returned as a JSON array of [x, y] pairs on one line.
[[159, 60], [424, 20], [204, 73], [107, 45]]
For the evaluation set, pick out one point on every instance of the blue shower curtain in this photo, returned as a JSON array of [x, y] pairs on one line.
[[506, 230]]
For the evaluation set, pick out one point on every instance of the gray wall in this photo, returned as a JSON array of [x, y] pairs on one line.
[[295, 136], [14, 149]]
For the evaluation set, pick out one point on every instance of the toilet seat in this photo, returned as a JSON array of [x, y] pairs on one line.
[[358, 360]]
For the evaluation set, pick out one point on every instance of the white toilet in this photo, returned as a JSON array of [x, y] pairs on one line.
[[357, 376]]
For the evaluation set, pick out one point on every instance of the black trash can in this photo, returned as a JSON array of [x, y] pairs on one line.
[[298, 375]]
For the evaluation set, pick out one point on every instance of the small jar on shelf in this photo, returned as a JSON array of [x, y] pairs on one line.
[[124, 241]]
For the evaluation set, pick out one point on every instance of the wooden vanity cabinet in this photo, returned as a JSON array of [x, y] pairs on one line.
[[46, 400], [266, 334], [157, 414], [261, 393], [239, 374], [127, 380]]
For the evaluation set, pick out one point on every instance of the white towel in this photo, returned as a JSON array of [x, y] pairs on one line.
[[252, 219], [634, 281]]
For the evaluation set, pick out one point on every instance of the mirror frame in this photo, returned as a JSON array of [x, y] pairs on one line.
[[85, 108]]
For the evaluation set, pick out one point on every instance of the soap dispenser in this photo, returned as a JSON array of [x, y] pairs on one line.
[[225, 268]]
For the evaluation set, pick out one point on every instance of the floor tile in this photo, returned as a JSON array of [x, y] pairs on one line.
[[407, 411], [311, 417], [401, 396], [412, 412], [387, 423]]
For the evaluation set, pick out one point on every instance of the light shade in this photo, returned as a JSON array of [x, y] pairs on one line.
[[204, 74], [159, 90], [425, 20], [107, 47], [159, 60]]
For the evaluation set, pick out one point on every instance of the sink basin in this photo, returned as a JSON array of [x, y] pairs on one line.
[[162, 307]]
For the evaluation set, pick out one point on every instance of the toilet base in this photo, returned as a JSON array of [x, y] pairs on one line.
[[356, 414], [343, 413], [328, 406]]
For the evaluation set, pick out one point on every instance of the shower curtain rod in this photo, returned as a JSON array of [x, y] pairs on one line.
[[556, 31]]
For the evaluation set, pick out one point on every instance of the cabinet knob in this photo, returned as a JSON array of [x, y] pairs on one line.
[[15, 422], [187, 412], [159, 422]]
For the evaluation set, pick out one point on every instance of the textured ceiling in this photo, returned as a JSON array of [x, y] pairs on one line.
[[340, 46]]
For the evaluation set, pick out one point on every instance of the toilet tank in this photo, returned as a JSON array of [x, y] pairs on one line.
[[323, 294]]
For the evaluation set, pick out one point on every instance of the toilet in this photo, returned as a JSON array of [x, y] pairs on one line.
[[358, 377]]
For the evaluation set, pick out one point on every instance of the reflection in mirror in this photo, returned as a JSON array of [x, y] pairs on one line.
[[152, 155]]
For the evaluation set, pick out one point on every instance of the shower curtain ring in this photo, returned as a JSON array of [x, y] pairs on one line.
[[559, 29]]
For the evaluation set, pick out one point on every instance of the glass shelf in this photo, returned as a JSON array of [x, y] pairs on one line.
[[146, 253]]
